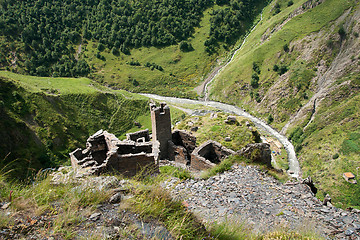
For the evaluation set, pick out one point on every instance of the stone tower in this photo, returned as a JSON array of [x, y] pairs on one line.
[[161, 127]]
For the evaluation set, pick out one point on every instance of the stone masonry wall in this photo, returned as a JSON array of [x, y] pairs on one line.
[[161, 127]]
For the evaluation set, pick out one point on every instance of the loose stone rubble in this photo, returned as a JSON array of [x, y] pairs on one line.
[[252, 197]]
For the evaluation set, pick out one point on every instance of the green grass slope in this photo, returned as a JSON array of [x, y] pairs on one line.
[[306, 52], [43, 119]]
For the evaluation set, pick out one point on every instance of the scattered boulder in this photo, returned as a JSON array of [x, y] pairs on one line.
[[327, 200], [94, 217], [227, 139], [257, 152], [116, 198], [231, 120], [308, 181], [194, 129], [213, 115]]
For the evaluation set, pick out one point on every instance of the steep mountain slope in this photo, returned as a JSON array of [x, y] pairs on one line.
[[161, 46], [300, 70], [43, 119]]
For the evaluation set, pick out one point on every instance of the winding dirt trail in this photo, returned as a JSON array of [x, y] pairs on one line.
[[203, 88]]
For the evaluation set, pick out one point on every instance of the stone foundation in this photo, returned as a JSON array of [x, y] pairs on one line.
[[208, 155]]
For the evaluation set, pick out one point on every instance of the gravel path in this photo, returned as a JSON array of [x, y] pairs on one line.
[[251, 197], [294, 169]]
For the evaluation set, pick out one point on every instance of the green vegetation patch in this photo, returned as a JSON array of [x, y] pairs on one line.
[[223, 166], [180, 173], [351, 144], [329, 146], [213, 127]]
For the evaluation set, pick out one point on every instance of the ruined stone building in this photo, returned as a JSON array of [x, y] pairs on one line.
[[106, 153], [161, 127]]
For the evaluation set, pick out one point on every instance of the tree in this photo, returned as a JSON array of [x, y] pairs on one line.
[[254, 81], [115, 51], [100, 47], [185, 46]]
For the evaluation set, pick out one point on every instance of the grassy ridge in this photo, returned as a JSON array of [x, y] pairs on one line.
[[232, 85]]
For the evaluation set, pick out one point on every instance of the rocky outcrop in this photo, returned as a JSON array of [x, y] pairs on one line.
[[257, 152]]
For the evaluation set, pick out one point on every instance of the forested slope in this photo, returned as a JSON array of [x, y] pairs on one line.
[[108, 40]]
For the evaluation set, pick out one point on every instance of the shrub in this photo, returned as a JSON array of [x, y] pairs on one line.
[[254, 81], [256, 68], [342, 32], [283, 69], [277, 8], [257, 97], [185, 46], [276, 68], [286, 47], [290, 3], [335, 156]]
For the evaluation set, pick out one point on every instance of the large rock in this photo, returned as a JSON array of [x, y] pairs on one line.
[[257, 152]]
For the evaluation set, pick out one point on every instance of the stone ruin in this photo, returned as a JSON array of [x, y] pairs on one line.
[[106, 153], [208, 155]]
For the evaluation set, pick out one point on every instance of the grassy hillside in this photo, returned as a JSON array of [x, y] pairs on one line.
[[181, 70], [43, 119], [163, 47], [299, 70]]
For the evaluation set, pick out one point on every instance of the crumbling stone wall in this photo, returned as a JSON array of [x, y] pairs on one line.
[[161, 127], [208, 155], [181, 146], [139, 136], [106, 153]]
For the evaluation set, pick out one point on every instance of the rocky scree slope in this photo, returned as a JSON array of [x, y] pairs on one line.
[[247, 196]]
